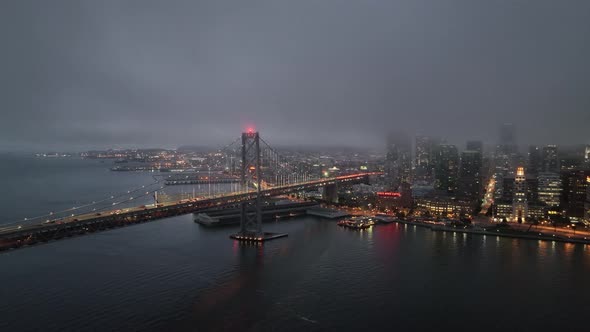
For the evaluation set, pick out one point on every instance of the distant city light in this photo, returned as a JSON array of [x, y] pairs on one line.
[[388, 194]]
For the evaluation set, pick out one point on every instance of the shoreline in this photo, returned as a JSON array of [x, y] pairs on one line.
[[522, 235]]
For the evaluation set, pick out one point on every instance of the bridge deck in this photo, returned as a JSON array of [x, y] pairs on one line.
[[16, 236]]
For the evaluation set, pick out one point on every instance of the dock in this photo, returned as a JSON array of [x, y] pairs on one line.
[[326, 213], [512, 234], [266, 236]]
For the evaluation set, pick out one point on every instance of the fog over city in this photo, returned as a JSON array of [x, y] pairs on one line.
[[102, 74]]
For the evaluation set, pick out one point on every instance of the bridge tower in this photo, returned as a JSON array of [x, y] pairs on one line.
[[251, 217], [251, 177]]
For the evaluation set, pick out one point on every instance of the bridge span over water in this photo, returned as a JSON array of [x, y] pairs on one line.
[[19, 236], [262, 173]]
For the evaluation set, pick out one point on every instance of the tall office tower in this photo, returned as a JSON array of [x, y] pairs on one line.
[[575, 185], [587, 204], [475, 146], [549, 188], [423, 159], [534, 164], [587, 154], [446, 168], [469, 184], [508, 138], [508, 189], [505, 158], [550, 159], [519, 201], [398, 165]]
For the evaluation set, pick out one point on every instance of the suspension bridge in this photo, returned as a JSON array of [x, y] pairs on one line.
[[262, 173]]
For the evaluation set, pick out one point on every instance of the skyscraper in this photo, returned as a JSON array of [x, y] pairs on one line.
[[534, 160], [587, 204], [398, 165], [446, 168], [550, 159], [549, 188], [575, 185], [423, 159], [508, 138], [423, 150], [475, 146], [519, 202], [469, 185], [506, 151]]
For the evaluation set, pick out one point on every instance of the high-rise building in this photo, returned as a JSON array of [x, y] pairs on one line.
[[505, 158], [508, 138], [574, 193], [423, 150], [469, 184], [549, 188], [423, 159], [534, 164], [519, 201], [446, 167], [475, 146], [587, 154], [550, 159], [587, 204], [398, 165], [508, 189]]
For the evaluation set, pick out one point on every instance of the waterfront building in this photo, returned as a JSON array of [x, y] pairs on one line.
[[519, 200], [444, 205], [574, 193], [469, 183], [587, 204], [549, 188], [398, 165], [446, 168], [536, 212], [502, 209]]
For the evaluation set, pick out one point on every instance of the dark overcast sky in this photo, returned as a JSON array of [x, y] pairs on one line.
[[78, 74]]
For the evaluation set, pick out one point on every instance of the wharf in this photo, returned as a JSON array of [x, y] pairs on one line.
[[266, 236], [326, 213], [497, 232]]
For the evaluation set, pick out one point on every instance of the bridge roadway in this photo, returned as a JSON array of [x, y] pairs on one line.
[[17, 236]]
